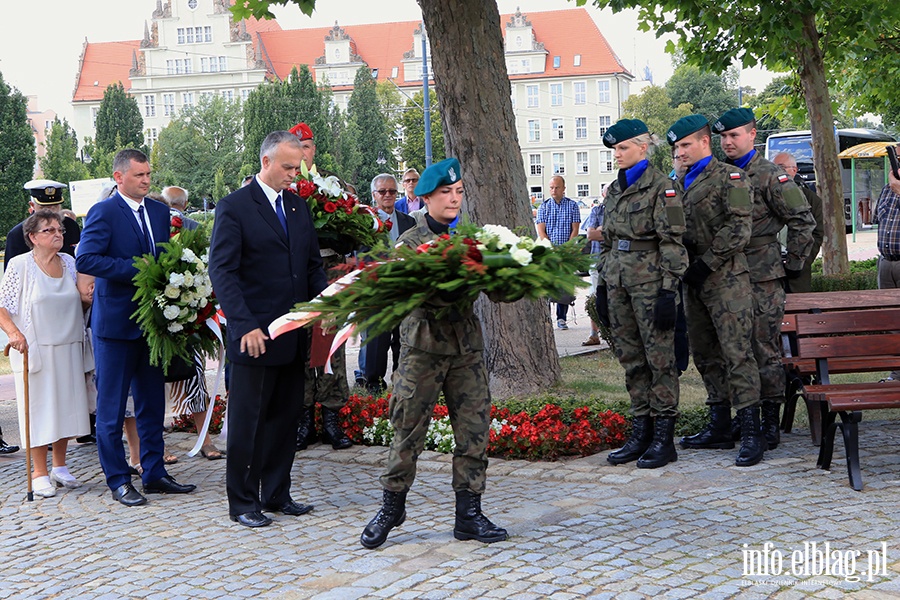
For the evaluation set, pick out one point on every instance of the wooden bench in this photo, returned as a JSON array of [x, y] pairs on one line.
[[801, 369], [837, 338]]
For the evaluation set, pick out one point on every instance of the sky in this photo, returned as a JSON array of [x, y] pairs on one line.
[[42, 60]]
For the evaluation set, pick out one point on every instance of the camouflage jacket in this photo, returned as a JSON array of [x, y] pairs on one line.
[[422, 330], [718, 213], [777, 201], [649, 212]]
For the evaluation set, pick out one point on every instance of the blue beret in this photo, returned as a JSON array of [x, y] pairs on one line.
[[732, 119], [623, 130], [440, 173], [684, 127]]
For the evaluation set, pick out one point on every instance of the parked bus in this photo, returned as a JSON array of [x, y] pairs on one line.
[[869, 181]]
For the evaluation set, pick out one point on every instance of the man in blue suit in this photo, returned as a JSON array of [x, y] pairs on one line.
[[264, 258], [124, 226]]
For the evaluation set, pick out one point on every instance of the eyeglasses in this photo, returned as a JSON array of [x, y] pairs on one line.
[[53, 230], [387, 192], [411, 180]]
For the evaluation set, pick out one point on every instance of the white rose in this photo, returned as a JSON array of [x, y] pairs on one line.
[[543, 242], [176, 279], [175, 327], [187, 255], [170, 312], [526, 242], [203, 302], [521, 256], [188, 279], [503, 234], [171, 292]]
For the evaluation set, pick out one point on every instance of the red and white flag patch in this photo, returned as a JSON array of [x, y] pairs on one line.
[[735, 175], [783, 178], [670, 193]]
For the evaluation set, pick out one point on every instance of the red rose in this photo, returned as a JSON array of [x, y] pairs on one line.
[[177, 223], [349, 211], [329, 207], [306, 188]]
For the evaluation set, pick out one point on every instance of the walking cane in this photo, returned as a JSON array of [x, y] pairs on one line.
[[27, 420]]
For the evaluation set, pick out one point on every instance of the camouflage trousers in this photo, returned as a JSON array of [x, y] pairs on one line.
[[720, 322], [646, 353], [418, 381], [331, 391], [768, 312]]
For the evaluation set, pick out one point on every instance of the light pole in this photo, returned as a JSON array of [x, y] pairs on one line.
[[427, 98]]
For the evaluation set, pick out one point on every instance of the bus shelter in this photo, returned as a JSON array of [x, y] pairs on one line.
[[868, 150]]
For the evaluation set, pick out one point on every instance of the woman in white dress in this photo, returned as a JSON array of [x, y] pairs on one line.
[[41, 309]]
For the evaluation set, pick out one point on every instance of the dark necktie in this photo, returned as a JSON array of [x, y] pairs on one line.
[[279, 212], [148, 245]]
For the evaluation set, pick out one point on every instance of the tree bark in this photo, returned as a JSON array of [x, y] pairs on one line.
[[825, 160], [479, 127]]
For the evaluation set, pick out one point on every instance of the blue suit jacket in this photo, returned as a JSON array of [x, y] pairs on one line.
[[258, 274], [109, 244], [403, 205]]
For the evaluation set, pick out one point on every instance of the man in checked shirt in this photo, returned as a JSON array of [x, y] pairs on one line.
[[888, 212]]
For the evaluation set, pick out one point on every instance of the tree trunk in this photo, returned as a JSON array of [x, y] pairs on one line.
[[474, 94], [825, 160]]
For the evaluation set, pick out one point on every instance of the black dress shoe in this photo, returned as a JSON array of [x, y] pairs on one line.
[[86, 439], [167, 485], [7, 448], [252, 519], [294, 509], [127, 495]]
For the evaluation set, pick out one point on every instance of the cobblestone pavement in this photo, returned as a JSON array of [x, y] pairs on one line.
[[580, 528]]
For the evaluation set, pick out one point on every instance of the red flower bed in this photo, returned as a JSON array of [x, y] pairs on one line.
[[186, 422]]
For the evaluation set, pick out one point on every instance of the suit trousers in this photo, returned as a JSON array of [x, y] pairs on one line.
[[263, 409], [377, 355], [122, 364]]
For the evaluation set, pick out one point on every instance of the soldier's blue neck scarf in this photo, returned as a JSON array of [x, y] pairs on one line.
[[635, 172], [695, 170], [744, 160], [438, 227]]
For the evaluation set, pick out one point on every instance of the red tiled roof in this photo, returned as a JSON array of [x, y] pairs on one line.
[[104, 63], [564, 33]]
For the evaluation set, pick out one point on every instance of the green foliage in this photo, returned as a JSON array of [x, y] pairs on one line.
[[372, 142], [16, 156], [413, 150], [705, 91], [260, 8], [119, 121], [856, 266], [654, 107], [864, 280], [61, 161], [199, 146]]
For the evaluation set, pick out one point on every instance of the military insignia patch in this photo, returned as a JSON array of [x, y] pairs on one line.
[[671, 135], [452, 174], [735, 175], [670, 193], [783, 178]]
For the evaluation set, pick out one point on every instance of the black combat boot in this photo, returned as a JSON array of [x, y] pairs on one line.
[[306, 428], [91, 438], [471, 524], [332, 432], [716, 434], [392, 514], [753, 442], [662, 449], [771, 424], [735, 430], [637, 444]]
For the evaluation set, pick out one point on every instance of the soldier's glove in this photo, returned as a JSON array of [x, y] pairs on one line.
[[602, 306], [791, 273], [665, 310], [696, 274]]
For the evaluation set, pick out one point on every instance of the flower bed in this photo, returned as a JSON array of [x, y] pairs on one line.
[[548, 434], [186, 422]]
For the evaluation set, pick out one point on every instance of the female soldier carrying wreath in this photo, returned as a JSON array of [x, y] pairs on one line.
[[640, 267]]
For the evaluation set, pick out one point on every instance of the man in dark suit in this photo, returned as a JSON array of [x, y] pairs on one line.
[[47, 194], [124, 226], [384, 192], [264, 258]]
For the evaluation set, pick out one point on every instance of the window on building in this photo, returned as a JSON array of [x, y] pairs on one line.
[[534, 130], [559, 163], [537, 193], [526, 65], [581, 163], [150, 136], [556, 97], [555, 62], [603, 91], [533, 97], [204, 64], [228, 95], [512, 97], [245, 93], [189, 35], [170, 67], [580, 128], [606, 161], [583, 190], [605, 123], [580, 89], [394, 72], [149, 106], [168, 101], [558, 132], [179, 66], [223, 64], [188, 66], [94, 111], [180, 33], [207, 34], [577, 61], [187, 99], [534, 161]]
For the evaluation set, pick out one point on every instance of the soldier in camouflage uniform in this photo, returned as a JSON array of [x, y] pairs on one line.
[[641, 264], [777, 201], [438, 355], [718, 213], [329, 390]]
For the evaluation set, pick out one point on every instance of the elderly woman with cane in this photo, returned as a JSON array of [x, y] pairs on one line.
[[41, 311]]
